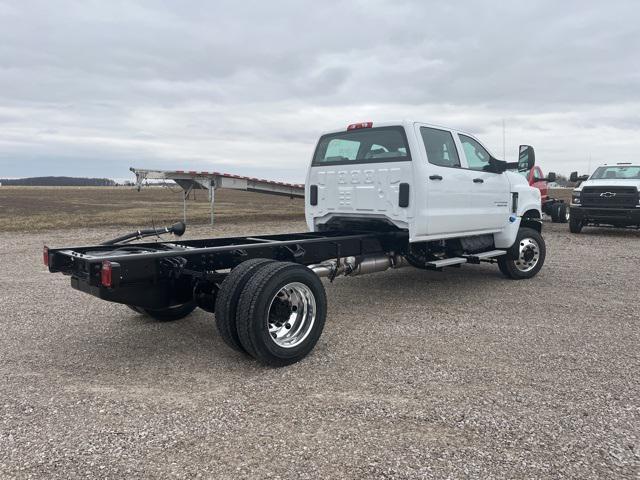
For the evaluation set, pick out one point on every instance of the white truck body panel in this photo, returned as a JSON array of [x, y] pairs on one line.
[[444, 202]]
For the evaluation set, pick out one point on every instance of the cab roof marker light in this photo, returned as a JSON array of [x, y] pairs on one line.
[[358, 126]]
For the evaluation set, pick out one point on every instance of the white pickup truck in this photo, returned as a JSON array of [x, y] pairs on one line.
[[378, 196], [607, 198]]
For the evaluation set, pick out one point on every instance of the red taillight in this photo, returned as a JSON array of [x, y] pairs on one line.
[[357, 126], [45, 256], [105, 274]]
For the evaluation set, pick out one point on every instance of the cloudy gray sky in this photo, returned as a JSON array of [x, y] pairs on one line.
[[90, 88]]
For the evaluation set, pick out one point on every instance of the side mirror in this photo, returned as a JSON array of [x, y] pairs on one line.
[[526, 158], [551, 177], [573, 178]]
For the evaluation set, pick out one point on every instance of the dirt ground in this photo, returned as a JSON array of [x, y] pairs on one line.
[[26, 209], [458, 374]]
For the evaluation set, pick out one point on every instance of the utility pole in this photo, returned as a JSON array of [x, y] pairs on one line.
[[504, 142]]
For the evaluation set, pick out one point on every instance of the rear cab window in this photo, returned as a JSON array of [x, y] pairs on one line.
[[365, 145]]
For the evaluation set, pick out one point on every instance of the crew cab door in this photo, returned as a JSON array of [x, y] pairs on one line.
[[489, 193], [445, 185], [460, 197]]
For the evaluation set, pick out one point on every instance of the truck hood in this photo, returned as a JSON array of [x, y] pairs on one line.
[[609, 183]]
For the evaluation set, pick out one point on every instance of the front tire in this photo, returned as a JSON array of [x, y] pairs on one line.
[[281, 313], [575, 225], [526, 257]]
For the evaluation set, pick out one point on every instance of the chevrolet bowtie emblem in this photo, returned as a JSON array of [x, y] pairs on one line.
[[608, 194]]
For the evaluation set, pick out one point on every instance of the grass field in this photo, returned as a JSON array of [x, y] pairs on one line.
[[45, 208], [26, 209]]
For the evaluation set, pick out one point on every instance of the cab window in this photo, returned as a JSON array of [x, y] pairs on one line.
[[441, 149], [367, 145], [537, 174], [477, 155], [342, 148]]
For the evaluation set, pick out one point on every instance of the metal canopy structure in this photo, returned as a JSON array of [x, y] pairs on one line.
[[211, 181]]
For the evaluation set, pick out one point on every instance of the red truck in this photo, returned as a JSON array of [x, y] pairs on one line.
[[557, 209]]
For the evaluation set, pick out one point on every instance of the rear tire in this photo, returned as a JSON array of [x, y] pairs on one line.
[[575, 225], [281, 313], [170, 314], [526, 257], [228, 296]]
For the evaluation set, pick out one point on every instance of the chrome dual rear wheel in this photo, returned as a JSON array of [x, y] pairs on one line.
[[280, 313], [292, 314]]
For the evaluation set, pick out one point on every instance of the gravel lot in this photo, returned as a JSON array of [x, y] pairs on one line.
[[460, 374]]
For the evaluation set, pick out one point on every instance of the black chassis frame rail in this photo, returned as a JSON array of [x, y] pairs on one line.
[[159, 275]]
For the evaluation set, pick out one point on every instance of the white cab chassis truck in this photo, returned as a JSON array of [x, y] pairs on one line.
[[608, 198], [378, 196]]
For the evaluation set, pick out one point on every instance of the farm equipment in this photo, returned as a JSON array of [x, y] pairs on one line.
[[375, 199]]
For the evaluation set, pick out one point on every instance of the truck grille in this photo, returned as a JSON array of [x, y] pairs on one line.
[[609, 197]]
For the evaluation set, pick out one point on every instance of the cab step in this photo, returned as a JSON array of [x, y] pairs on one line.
[[457, 261], [477, 257], [446, 262]]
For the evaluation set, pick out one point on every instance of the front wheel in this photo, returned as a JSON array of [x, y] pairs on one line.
[[526, 257]]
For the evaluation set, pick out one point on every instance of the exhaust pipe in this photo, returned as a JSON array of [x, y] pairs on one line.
[[353, 266]]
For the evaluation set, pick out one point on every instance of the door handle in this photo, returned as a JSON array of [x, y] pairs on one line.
[[478, 180], [435, 177]]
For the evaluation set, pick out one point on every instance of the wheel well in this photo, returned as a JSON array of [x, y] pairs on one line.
[[531, 219]]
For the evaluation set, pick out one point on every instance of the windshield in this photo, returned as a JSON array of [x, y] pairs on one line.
[[366, 145], [616, 173]]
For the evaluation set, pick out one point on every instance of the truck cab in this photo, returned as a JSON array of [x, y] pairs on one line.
[[537, 180], [609, 197], [436, 182]]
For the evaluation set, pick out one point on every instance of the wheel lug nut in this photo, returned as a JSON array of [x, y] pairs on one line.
[[287, 326]]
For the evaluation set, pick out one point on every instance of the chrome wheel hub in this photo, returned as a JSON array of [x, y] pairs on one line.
[[292, 313], [529, 255]]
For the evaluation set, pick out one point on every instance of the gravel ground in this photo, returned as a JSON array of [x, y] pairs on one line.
[[460, 374]]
